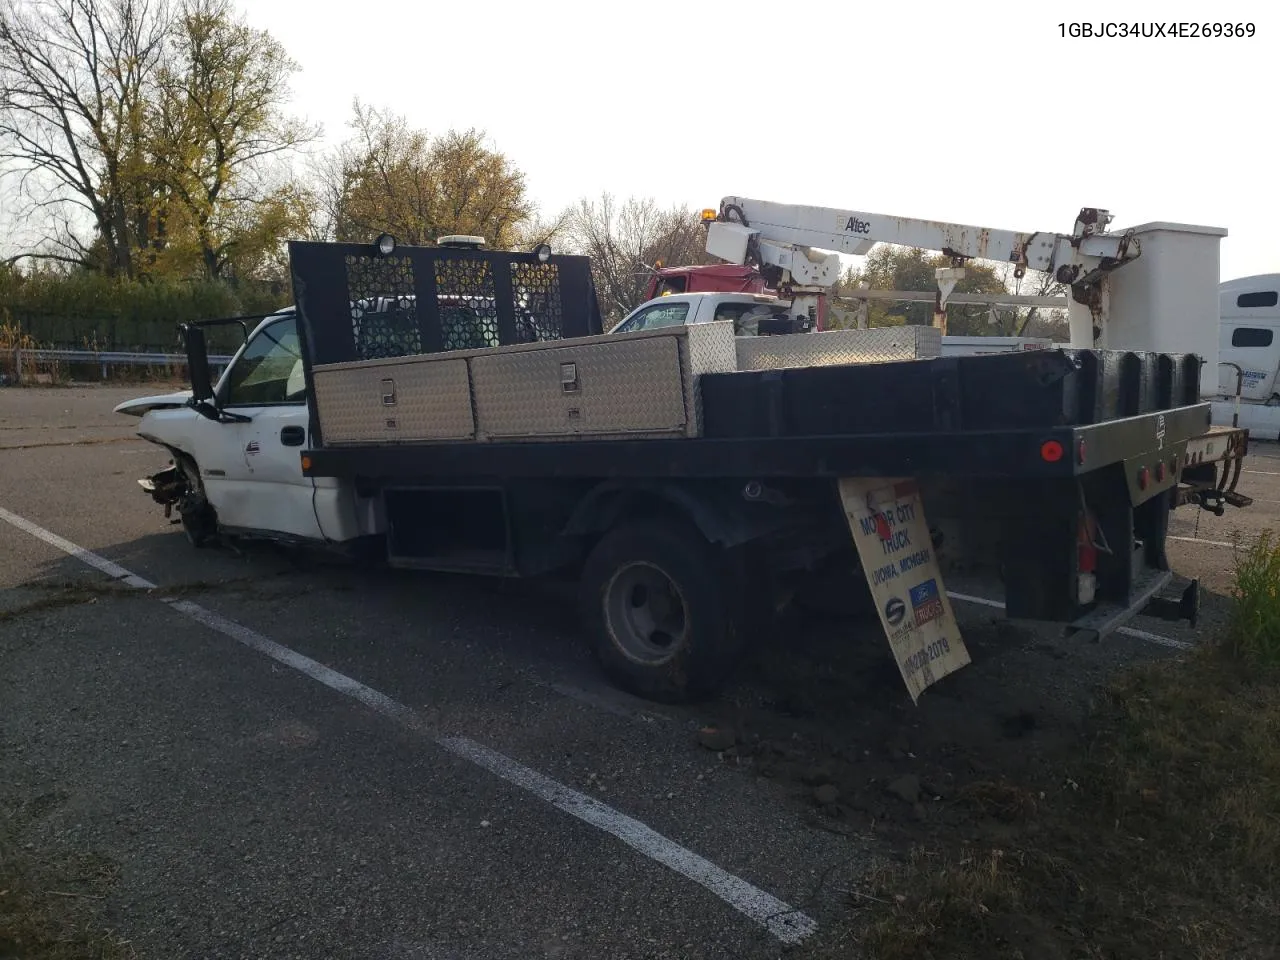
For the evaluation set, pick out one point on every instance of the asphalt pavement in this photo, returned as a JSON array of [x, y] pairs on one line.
[[288, 756]]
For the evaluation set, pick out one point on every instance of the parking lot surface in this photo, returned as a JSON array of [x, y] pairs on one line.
[[282, 755]]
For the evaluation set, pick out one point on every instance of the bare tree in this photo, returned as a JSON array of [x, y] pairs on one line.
[[553, 230], [73, 82], [1035, 283], [626, 241]]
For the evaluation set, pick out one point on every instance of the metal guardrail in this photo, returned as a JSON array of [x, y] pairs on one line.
[[107, 358]]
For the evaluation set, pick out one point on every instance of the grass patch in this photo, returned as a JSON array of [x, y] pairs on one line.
[[1162, 839], [1254, 631], [51, 904], [26, 370], [1159, 837]]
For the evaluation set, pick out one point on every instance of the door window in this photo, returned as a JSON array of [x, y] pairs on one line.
[[1260, 298], [270, 369], [746, 317], [659, 315], [1251, 337]]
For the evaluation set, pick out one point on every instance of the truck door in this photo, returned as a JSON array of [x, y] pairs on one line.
[[264, 489], [1254, 346]]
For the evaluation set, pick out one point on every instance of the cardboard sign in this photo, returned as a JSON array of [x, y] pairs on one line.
[[887, 520]]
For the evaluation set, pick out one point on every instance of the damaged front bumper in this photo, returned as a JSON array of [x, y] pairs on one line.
[[166, 488]]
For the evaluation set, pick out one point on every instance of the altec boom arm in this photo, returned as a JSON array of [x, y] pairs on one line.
[[786, 238]]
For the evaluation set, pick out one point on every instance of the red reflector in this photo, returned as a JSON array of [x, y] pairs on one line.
[[1144, 478], [1086, 553], [1051, 451], [1080, 452], [1160, 472]]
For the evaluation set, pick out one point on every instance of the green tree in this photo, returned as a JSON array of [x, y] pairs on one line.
[[392, 177], [219, 118], [890, 267], [148, 139]]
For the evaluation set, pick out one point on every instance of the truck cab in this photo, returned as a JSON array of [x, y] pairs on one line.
[[752, 314], [1249, 348], [238, 459]]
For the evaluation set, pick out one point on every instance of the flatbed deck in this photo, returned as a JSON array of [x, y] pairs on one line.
[[993, 453]]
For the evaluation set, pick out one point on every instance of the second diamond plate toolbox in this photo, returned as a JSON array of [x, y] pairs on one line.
[[832, 347]]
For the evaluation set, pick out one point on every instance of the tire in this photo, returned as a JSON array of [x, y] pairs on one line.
[[199, 520], [658, 603]]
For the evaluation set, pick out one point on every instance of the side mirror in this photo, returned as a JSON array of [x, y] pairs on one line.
[[198, 367]]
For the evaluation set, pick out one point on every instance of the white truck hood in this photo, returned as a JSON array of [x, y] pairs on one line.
[[141, 405]]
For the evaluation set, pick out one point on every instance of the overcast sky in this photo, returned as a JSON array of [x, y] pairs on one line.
[[978, 112]]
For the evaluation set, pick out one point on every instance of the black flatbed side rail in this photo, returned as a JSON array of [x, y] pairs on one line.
[[989, 453]]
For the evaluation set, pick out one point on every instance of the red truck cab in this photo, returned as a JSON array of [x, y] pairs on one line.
[[715, 278]]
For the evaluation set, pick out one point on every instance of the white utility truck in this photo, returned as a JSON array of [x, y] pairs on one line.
[[1249, 357], [688, 478]]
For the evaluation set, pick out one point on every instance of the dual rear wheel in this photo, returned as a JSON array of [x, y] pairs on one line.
[[662, 610]]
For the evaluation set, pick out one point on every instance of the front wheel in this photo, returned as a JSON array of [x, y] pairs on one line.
[[199, 521], [657, 600]]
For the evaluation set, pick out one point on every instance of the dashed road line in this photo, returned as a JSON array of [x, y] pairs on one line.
[[786, 923], [1205, 543]]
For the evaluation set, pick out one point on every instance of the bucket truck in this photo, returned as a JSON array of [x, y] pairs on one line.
[[1147, 290], [458, 408]]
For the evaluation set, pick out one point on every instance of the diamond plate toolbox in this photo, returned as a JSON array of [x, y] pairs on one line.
[[382, 401], [642, 384], [833, 347]]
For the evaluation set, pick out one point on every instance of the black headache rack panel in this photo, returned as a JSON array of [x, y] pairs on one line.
[[355, 304]]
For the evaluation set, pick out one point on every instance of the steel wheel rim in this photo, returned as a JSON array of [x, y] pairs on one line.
[[647, 615]]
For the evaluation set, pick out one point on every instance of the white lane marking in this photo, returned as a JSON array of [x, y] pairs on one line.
[[1207, 543], [1262, 473], [291, 658], [981, 601], [788, 925], [780, 919], [1127, 631], [113, 570]]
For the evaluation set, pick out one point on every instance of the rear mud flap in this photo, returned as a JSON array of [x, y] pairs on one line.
[[895, 546]]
